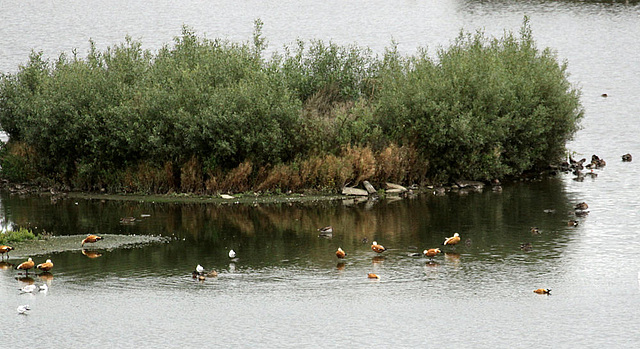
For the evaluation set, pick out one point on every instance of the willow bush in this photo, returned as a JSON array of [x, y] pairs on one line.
[[198, 112]]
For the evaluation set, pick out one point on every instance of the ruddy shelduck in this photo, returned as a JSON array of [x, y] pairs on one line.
[[26, 265], [5, 249], [46, 266], [91, 239], [454, 240], [377, 248], [340, 253], [542, 291], [373, 276], [432, 252]]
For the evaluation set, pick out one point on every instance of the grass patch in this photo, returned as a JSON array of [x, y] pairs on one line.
[[20, 235]]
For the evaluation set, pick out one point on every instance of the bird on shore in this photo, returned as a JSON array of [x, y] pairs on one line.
[[46, 266], [232, 254], [91, 239], [326, 232], [373, 276], [377, 248], [452, 241], [340, 253], [542, 291], [5, 249], [22, 309], [26, 265], [432, 252]]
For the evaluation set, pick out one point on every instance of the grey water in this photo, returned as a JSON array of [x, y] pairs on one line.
[[287, 288]]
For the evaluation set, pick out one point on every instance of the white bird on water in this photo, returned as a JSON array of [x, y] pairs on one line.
[[199, 269], [232, 254], [44, 288], [28, 289], [22, 309]]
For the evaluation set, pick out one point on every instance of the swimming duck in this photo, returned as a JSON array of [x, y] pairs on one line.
[[572, 223], [91, 239], [340, 253], [26, 265], [5, 249], [46, 266], [582, 206], [432, 252], [377, 248], [526, 246], [542, 291], [199, 269], [232, 254], [535, 231], [212, 273], [452, 240], [626, 157], [373, 276], [326, 232]]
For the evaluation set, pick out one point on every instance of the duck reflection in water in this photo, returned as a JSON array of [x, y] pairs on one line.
[[340, 265], [28, 280], [91, 254], [6, 265], [377, 259], [46, 277], [453, 258]]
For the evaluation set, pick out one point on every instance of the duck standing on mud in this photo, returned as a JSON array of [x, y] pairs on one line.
[[5, 249], [91, 239]]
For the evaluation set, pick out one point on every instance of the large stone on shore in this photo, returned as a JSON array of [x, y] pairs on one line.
[[354, 191]]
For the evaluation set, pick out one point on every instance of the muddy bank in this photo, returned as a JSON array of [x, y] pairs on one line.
[[72, 243]]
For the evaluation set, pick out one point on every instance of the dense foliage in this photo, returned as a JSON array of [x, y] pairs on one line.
[[209, 115], [10, 236]]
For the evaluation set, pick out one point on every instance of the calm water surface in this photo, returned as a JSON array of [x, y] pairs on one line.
[[287, 288]]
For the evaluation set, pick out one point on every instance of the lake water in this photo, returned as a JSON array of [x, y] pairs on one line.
[[287, 288]]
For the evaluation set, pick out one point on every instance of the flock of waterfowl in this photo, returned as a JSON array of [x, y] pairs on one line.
[[44, 267]]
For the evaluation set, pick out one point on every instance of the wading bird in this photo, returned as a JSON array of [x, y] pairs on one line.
[[26, 265], [432, 252], [452, 240], [91, 239], [46, 266], [5, 249], [340, 253], [377, 248]]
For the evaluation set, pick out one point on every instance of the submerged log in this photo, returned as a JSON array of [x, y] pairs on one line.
[[473, 184], [369, 187], [391, 186], [354, 191]]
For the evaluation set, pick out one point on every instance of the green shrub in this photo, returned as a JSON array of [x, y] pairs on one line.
[[11, 236]]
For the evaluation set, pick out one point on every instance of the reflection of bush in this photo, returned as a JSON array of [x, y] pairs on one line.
[[210, 115]]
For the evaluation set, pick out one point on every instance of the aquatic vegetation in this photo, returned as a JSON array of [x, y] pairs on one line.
[[209, 115], [19, 235]]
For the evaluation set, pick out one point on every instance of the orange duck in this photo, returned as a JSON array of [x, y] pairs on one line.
[[91, 239], [46, 266], [377, 248], [452, 240], [340, 253], [5, 249], [26, 265]]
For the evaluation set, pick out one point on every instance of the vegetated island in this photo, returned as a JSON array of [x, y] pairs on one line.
[[204, 116]]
